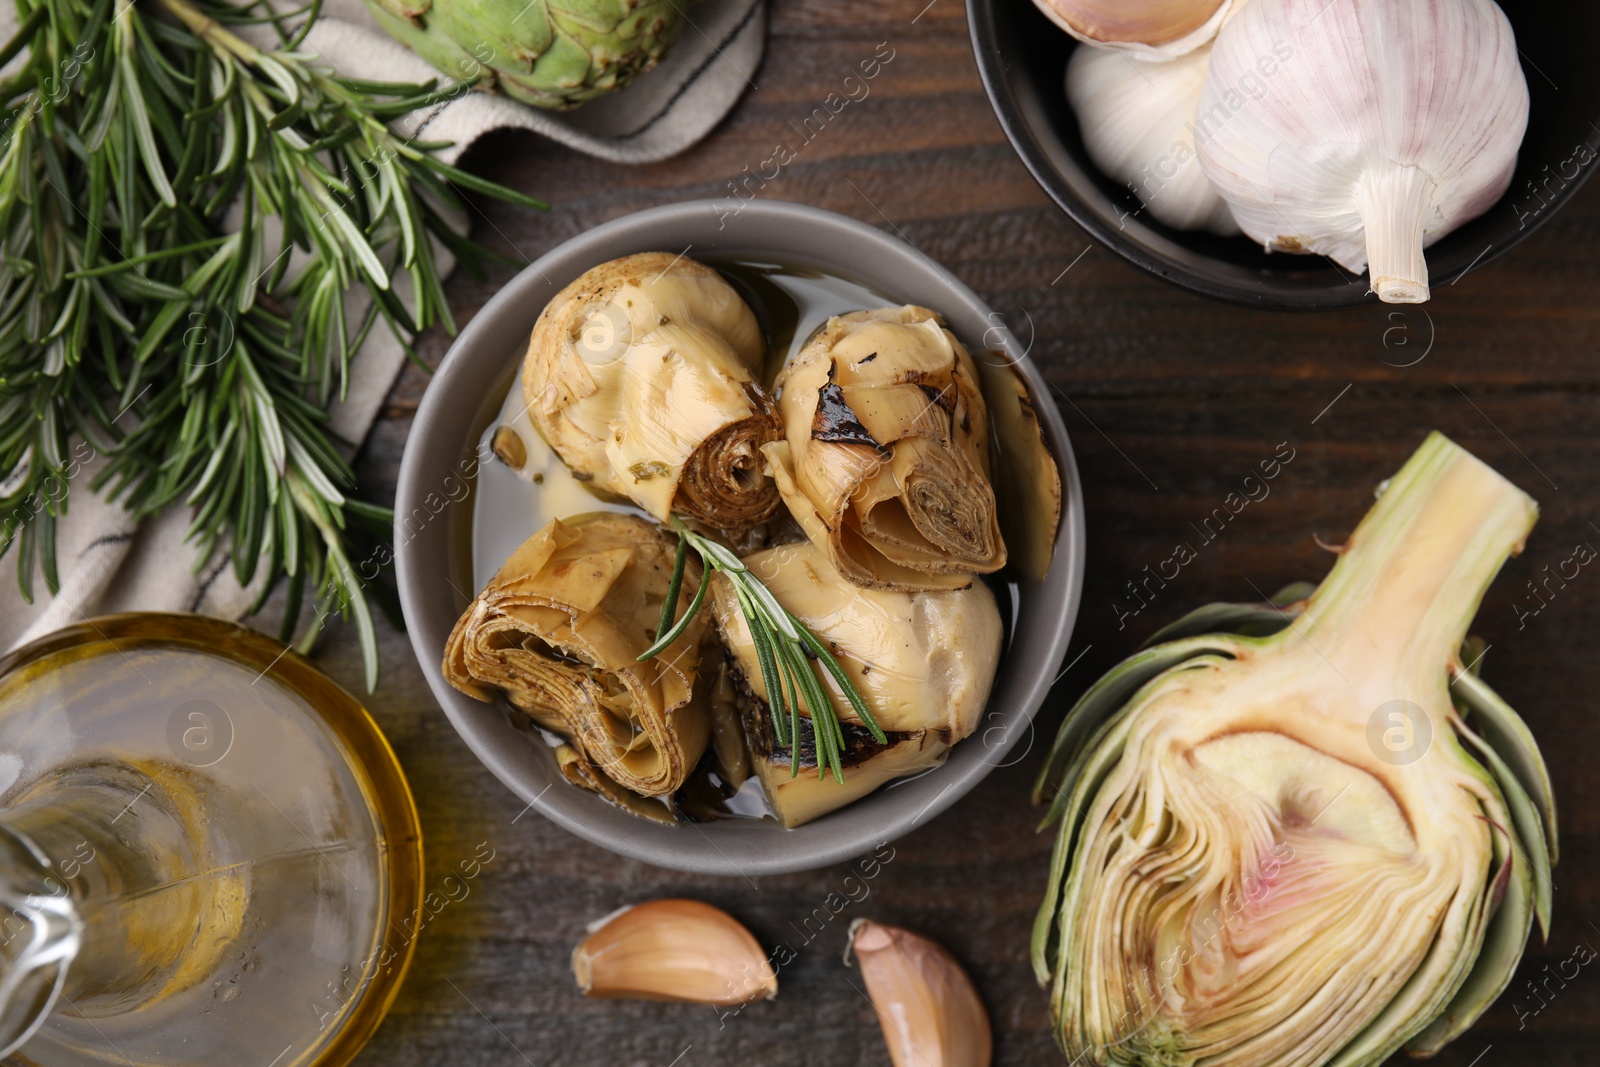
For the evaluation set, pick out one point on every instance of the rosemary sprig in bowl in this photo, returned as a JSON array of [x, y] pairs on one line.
[[182, 214], [783, 645]]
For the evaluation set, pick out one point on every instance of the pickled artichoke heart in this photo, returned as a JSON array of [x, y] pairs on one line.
[[923, 662], [886, 462], [558, 631], [549, 53], [642, 376], [799, 798], [1292, 849]]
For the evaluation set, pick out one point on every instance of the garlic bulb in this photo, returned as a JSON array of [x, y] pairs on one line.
[[1154, 29], [1384, 125], [929, 1010], [673, 950], [1136, 117]]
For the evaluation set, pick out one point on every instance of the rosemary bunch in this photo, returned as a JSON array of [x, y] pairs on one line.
[[783, 645], [182, 214]]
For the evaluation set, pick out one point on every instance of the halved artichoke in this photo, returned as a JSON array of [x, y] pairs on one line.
[[924, 662], [886, 462], [642, 375], [559, 630], [1289, 848]]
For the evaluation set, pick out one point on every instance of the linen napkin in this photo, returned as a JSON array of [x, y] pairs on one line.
[[108, 562]]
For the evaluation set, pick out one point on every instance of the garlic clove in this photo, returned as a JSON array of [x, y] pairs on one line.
[[1136, 119], [1152, 29], [679, 950], [1363, 130], [930, 1011]]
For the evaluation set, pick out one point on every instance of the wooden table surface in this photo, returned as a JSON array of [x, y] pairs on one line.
[[1173, 399]]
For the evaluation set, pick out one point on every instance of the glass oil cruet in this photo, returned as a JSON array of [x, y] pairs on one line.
[[208, 853]]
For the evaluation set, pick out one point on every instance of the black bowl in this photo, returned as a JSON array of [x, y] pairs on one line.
[[1022, 58]]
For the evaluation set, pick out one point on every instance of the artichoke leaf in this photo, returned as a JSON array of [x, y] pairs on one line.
[[1087, 780], [581, 772], [886, 574], [1026, 475], [1103, 699], [1504, 731], [1252, 620], [1530, 844], [1526, 870], [1100, 741]]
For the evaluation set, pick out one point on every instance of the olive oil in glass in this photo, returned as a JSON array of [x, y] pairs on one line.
[[208, 854]]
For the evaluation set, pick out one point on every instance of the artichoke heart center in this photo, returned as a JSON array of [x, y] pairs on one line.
[[1306, 792], [1235, 868]]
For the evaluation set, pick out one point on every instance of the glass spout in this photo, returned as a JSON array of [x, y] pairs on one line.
[[40, 934]]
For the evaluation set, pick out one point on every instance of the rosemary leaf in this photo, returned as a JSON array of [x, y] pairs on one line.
[[675, 630], [782, 643], [185, 352], [669, 606], [767, 660]]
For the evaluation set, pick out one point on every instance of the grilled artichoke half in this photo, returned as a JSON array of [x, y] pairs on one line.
[[1281, 843], [642, 375], [886, 462], [558, 631], [923, 661], [553, 54]]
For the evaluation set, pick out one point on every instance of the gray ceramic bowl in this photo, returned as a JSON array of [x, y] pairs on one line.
[[435, 576]]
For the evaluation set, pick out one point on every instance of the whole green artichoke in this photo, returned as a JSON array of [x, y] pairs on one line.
[[553, 54]]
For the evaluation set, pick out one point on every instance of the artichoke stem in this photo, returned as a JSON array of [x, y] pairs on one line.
[[1394, 209], [1398, 602]]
